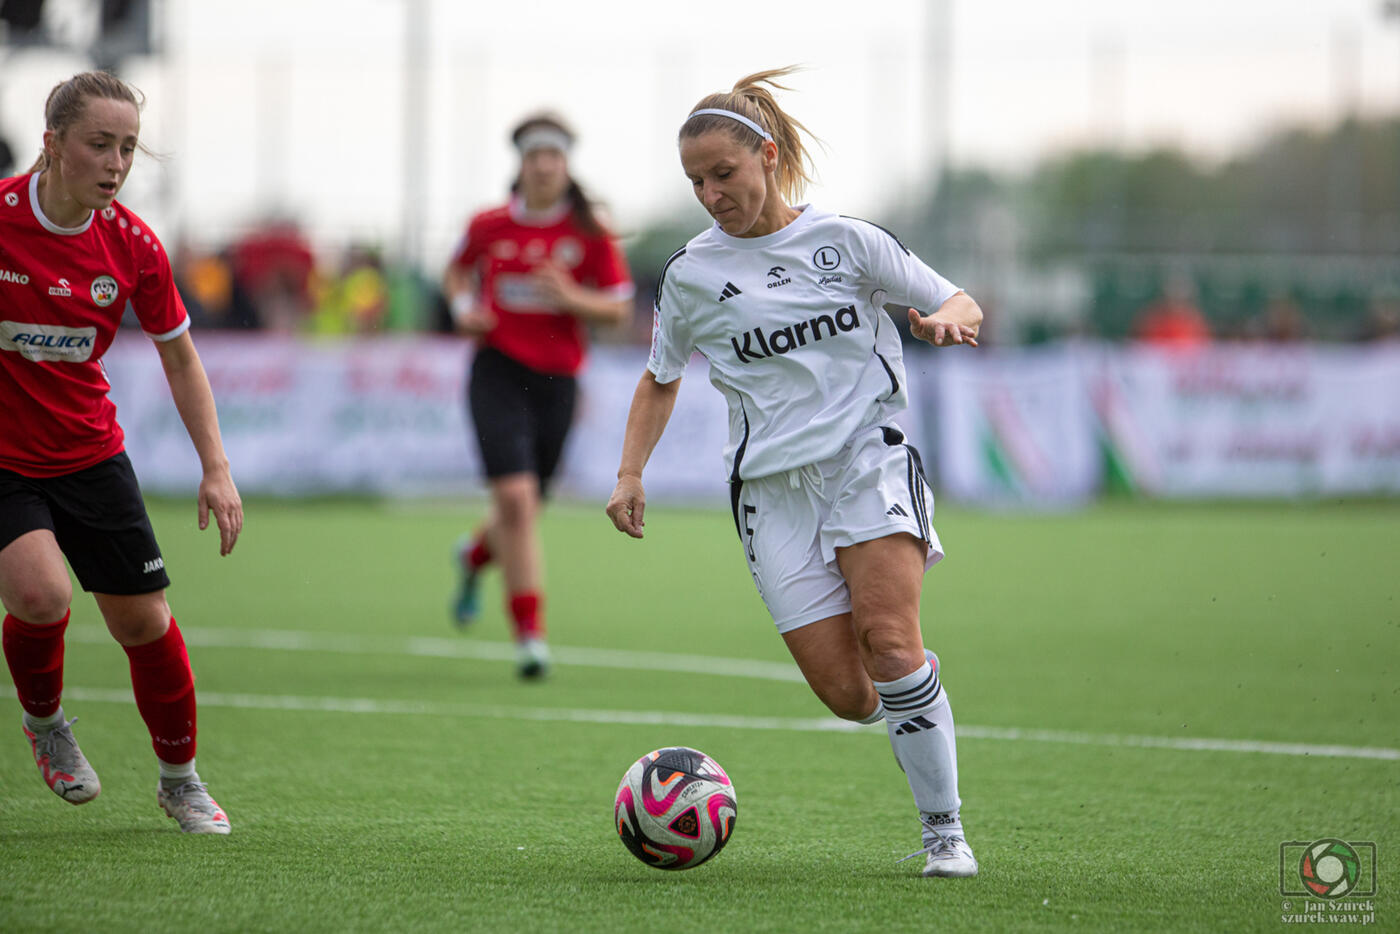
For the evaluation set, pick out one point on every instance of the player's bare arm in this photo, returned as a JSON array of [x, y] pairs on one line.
[[652, 404], [469, 317], [194, 400], [592, 305], [956, 321]]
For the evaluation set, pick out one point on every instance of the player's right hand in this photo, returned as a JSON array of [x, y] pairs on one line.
[[627, 505], [475, 323]]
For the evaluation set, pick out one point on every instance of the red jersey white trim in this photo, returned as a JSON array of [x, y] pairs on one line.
[[43, 220], [63, 291], [171, 334]]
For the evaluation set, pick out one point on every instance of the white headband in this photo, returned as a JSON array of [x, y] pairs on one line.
[[543, 137], [735, 116]]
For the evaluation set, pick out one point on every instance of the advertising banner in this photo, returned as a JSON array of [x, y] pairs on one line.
[[1038, 426], [1015, 427], [1256, 420]]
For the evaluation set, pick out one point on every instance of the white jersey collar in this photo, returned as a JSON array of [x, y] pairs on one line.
[[43, 220], [547, 217], [799, 224]]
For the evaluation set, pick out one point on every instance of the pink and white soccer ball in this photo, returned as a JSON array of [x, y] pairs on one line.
[[675, 808]]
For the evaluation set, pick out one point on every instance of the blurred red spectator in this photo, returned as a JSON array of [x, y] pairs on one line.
[[275, 266], [1173, 320]]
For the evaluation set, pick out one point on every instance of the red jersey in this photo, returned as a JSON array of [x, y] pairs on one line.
[[63, 291], [502, 246]]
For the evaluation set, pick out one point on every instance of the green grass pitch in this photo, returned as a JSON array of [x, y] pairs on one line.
[[384, 772]]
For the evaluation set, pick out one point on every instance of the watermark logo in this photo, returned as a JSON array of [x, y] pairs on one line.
[[1327, 880]]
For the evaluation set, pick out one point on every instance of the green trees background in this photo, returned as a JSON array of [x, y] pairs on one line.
[[1298, 236]]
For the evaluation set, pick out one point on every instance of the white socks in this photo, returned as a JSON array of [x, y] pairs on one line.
[[876, 716], [920, 725], [43, 724], [177, 772]]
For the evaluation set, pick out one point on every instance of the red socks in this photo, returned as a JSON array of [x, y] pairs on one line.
[[479, 554], [35, 656], [163, 682], [161, 679], [524, 606], [525, 611]]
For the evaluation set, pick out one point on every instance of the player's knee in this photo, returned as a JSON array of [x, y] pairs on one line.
[[39, 601], [136, 622], [850, 702], [517, 511], [892, 652]]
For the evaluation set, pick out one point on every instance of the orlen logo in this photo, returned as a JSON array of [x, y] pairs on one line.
[[757, 345], [47, 342], [11, 198], [104, 290], [63, 288]]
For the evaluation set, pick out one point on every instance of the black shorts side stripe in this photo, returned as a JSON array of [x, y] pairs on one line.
[[916, 493], [918, 484]]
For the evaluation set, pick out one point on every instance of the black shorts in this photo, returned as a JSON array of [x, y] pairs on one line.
[[521, 416], [99, 519]]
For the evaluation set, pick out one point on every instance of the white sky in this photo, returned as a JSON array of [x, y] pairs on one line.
[[298, 105]]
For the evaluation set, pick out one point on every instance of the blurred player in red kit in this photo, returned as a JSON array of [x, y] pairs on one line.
[[72, 259], [526, 280]]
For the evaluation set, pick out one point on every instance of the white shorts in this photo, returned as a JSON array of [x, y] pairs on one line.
[[791, 523]]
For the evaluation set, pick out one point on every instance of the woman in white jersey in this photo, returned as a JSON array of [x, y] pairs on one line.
[[786, 303]]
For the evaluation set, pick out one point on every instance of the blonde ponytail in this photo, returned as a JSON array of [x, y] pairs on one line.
[[749, 98]]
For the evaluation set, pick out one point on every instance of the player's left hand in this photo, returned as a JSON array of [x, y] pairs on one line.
[[219, 496], [554, 284], [940, 332]]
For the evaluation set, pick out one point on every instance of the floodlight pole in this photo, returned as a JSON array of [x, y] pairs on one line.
[[413, 135], [1390, 9], [938, 90]]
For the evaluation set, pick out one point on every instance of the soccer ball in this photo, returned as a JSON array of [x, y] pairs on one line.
[[675, 808]]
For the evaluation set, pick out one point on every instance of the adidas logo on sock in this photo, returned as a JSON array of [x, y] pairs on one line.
[[917, 725], [896, 510], [730, 290]]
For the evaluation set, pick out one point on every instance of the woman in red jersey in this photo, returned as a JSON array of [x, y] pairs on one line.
[[72, 259], [525, 281]]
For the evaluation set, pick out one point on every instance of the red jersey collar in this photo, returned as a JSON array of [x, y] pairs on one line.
[[43, 220]]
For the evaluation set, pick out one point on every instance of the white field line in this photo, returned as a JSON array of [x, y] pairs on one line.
[[287, 640]]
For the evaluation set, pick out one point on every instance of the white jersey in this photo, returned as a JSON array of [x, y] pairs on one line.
[[794, 327]]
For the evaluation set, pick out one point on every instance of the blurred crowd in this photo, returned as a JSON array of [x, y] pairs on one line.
[[1175, 318], [272, 279]]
